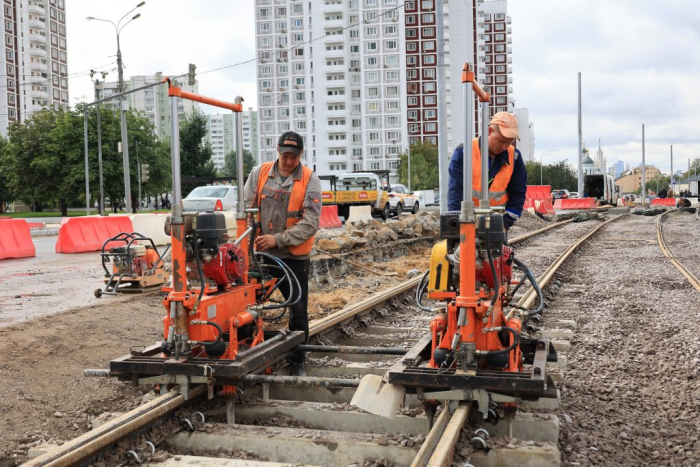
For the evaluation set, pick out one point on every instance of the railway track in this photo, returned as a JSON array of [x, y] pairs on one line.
[[364, 338], [667, 252]]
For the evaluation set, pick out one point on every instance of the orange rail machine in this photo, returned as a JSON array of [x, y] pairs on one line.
[[217, 302], [475, 351]]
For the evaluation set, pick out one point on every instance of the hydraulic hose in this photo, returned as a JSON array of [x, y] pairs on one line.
[[516, 342], [535, 285], [295, 287], [220, 332], [420, 291], [199, 270], [496, 284]]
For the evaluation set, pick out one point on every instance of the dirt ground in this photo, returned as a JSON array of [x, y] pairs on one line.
[[43, 394]]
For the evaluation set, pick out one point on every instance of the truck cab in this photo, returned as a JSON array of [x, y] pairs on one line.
[[601, 187], [359, 189]]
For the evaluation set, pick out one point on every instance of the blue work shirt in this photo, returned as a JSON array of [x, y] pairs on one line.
[[516, 189]]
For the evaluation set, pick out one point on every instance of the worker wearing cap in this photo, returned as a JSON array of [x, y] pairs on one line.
[[288, 196], [507, 173]]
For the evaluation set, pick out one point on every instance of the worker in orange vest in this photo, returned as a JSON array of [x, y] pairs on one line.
[[507, 173], [288, 197]]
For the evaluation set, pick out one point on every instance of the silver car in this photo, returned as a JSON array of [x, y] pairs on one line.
[[204, 198]]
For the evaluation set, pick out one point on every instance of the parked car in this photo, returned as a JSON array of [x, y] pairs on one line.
[[205, 198], [560, 194], [573, 194], [400, 199]]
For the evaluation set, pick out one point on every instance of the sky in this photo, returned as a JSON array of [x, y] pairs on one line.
[[639, 61]]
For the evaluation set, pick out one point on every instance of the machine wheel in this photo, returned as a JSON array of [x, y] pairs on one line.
[[415, 208], [399, 209], [98, 293], [385, 211]]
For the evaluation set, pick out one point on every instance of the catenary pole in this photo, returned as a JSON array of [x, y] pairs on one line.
[[580, 139], [87, 167], [644, 170]]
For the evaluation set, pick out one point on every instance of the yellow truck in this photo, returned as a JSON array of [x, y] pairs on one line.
[[368, 188]]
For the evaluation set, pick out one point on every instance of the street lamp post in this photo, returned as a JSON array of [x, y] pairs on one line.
[[125, 146], [138, 169], [99, 86], [541, 162]]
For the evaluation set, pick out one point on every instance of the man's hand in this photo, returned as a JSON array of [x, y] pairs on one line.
[[265, 242]]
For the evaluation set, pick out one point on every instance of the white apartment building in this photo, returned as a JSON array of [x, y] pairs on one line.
[[221, 134], [35, 58], [344, 93], [358, 78], [526, 144], [154, 102]]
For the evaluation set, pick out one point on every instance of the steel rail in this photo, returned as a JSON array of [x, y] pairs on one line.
[[528, 299], [667, 253], [92, 442]]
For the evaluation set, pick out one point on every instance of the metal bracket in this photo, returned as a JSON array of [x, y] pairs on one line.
[[480, 396], [183, 381]]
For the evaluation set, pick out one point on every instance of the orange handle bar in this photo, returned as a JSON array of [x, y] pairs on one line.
[[177, 92], [468, 76]]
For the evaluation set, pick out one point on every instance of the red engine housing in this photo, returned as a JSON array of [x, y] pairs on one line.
[[226, 266], [504, 269]]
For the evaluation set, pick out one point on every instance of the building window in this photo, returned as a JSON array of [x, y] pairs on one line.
[[428, 18], [410, 19]]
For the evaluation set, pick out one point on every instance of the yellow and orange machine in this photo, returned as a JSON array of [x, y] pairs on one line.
[[217, 301], [475, 351]]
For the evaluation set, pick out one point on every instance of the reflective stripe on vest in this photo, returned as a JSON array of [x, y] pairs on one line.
[[295, 207], [498, 196]]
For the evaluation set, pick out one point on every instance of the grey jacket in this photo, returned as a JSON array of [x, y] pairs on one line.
[[274, 209]]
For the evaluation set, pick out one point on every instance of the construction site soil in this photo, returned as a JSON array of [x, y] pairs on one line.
[[630, 395]]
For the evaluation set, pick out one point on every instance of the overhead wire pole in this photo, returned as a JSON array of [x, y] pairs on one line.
[[644, 170], [580, 139], [98, 86], [442, 110], [87, 167], [672, 169]]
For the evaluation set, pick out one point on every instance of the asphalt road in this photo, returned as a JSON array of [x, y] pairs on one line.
[[48, 283]]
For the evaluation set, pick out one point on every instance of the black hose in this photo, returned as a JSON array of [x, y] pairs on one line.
[[496, 283], [535, 285], [516, 342], [420, 290], [219, 330], [289, 274], [199, 270]]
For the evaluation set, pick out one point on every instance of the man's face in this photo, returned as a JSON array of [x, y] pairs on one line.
[[289, 161], [497, 142]]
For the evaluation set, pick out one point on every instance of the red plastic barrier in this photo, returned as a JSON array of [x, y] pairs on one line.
[[664, 201], [81, 234], [35, 225], [557, 204], [15, 239], [545, 206], [329, 217], [538, 192], [575, 203]]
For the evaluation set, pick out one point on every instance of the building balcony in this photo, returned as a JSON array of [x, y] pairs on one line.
[[333, 24], [36, 37], [336, 113], [336, 83], [334, 53], [40, 95], [341, 143], [337, 128], [333, 8], [38, 66], [37, 24], [37, 8], [37, 52], [336, 69], [336, 99], [334, 38]]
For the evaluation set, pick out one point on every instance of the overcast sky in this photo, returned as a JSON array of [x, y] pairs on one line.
[[639, 59]]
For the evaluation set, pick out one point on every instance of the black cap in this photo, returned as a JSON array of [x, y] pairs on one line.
[[290, 142]]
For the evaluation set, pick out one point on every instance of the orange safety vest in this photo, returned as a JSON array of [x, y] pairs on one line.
[[295, 208], [498, 196]]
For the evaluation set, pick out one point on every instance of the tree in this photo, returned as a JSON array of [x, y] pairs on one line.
[[560, 175], [230, 164], [425, 172], [195, 153], [5, 196]]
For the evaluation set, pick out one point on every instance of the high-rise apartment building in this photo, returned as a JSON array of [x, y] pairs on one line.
[[358, 78], [35, 58], [154, 102], [221, 133]]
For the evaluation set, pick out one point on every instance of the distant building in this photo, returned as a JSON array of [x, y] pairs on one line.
[[631, 181], [154, 102], [34, 59], [619, 168], [221, 133]]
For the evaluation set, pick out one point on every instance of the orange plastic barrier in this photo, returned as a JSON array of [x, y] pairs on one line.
[[538, 192], [15, 239], [664, 201], [575, 203], [35, 225], [329, 218], [544, 206], [81, 234]]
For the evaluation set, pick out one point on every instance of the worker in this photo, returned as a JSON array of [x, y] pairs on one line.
[[288, 196], [663, 192], [507, 174]]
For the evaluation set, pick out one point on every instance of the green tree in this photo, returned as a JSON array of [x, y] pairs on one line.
[[5, 196], [425, 173], [560, 175], [230, 168], [195, 153]]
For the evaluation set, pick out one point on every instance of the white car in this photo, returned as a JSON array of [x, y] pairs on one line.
[[400, 199], [205, 198], [573, 194]]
